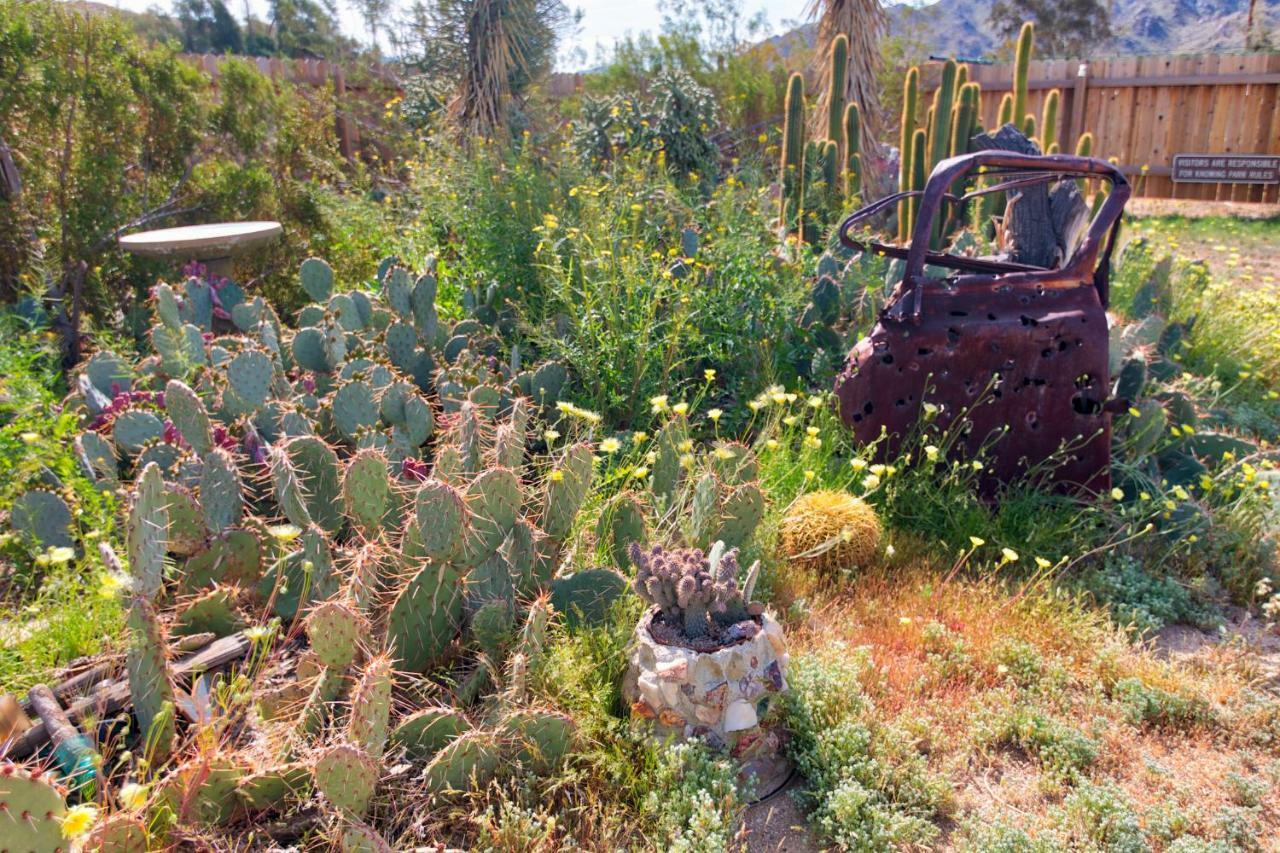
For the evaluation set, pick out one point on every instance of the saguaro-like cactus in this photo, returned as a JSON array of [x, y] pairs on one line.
[[910, 103], [1021, 70], [835, 95], [791, 205], [1049, 123], [853, 151]]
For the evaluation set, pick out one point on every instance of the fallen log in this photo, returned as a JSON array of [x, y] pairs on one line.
[[113, 697]]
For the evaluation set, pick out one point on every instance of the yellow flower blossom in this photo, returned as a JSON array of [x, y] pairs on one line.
[[79, 820]]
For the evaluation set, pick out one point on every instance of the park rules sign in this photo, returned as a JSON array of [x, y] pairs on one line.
[[1226, 169]]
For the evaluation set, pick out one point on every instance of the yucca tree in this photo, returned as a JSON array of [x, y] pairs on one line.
[[864, 22], [488, 51]]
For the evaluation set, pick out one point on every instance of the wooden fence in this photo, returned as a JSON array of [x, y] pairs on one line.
[[359, 94], [1144, 110]]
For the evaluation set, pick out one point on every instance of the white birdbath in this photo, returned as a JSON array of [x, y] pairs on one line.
[[214, 245]]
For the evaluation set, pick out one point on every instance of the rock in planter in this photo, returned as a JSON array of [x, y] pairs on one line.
[[720, 695]]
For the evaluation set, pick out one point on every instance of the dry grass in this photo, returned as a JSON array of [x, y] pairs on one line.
[[895, 613]]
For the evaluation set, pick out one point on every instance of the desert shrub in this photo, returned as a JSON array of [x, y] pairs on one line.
[[867, 789], [1065, 752], [1137, 597], [1099, 817], [695, 799], [1147, 705], [111, 133]]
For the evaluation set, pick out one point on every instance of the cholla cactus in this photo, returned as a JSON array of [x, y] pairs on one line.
[[699, 591]]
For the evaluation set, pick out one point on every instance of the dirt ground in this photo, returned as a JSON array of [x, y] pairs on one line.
[[1240, 241]]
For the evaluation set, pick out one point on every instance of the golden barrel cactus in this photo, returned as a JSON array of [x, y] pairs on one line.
[[830, 531]]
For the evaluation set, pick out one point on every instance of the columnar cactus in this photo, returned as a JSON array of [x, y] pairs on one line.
[[1049, 123], [837, 75], [853, 151], [1021, 73], [791, 203], [906, 150]]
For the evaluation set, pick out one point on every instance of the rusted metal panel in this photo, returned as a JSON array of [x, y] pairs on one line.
[[1012, 355]]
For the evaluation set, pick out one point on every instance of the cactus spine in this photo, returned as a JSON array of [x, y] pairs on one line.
[[906, 173], [1021, 71], [792, 201]]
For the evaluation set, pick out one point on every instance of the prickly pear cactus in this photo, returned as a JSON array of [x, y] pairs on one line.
[[150, 682], [188, 415], [347, 777], [34, 806], [466, 763], [148, 533], [426, 732], [221, 493], [371, 706], [117, 833], [425, 617], [367, 493], [335, 630], [317, 279], [42, 518]]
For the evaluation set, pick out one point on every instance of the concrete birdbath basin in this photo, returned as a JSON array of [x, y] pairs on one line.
[[214, 245]]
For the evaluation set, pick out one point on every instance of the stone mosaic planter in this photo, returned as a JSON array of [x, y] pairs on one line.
[[719, 695]]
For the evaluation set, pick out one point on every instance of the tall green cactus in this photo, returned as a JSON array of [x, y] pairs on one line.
[[1004, 115], [1022, 69], [853, 151], [831, 174], [910, 104], [791, 204], [919, 172], [940, 138], [835, 94], [940, 131], [1049, 122]]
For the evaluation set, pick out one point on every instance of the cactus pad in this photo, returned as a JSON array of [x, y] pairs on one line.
[[249, 375], [147, 534], [354, 409], [428, 731], [133, 429], [441, 518], [188, 414], [33, 808], [466, 763], [586, 597], [545, 737], [214, 611], [371, 706], [424, 618], [366, 492], [220, 491], [347, 778], [117, 833], [335, 630], [42, 518], [150, 684], [316, 277]]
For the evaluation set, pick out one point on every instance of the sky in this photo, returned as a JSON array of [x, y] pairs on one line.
[[603, 21]]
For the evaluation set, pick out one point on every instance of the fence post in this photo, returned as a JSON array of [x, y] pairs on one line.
[[1078, 95]]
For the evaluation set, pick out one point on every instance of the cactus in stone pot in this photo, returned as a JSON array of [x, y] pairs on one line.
[[697, 591]]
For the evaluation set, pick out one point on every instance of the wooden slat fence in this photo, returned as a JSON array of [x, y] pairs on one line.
[[1143, 110], [360, 94]]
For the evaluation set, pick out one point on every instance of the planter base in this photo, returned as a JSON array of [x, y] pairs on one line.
[[720, 696]]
